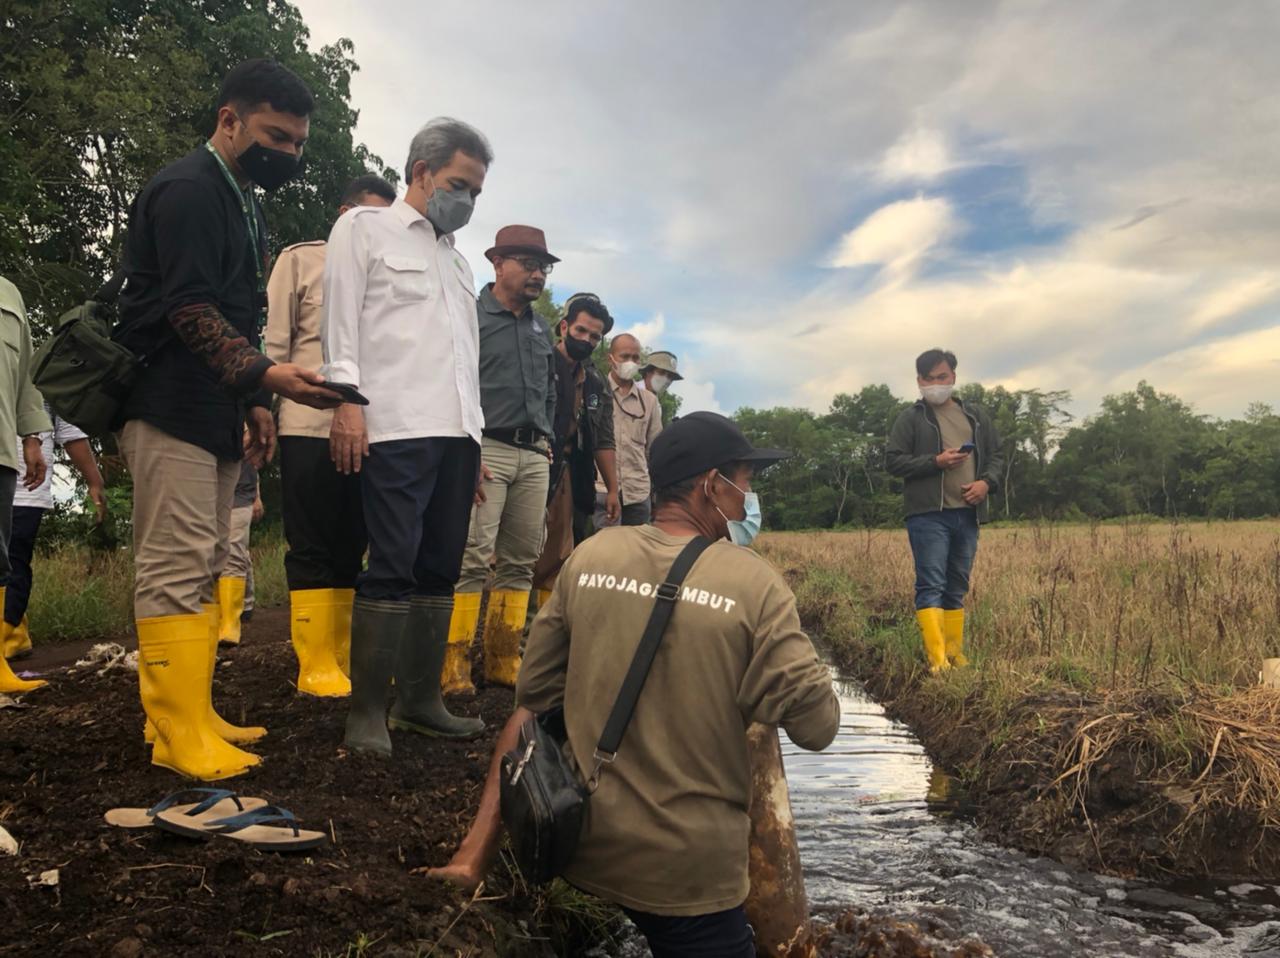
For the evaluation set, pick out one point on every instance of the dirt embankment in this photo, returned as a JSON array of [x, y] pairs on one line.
[[1152, 783]]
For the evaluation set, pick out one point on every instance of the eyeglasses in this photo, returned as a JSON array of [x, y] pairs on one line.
[[535, 266]]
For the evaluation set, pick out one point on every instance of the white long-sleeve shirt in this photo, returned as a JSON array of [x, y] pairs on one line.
[[399, 324]]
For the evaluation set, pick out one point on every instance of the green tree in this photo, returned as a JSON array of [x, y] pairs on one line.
[[98, 95]]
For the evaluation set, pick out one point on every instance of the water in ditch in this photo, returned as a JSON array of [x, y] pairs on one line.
[[879, 828]]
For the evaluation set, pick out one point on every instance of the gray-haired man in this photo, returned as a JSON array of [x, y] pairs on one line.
[[400, 325]]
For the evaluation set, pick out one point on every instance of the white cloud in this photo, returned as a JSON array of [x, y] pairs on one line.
[[700, 173], [649, 333], [920, 154], [898, 235]]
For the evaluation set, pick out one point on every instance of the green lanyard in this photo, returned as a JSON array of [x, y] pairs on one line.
[[250, 220]]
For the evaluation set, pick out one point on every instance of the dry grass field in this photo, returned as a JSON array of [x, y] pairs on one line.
[[1113, 714]]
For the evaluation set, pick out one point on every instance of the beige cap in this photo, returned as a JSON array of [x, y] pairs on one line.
[[662, 360]]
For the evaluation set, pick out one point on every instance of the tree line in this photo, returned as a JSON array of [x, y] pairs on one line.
[[1142, 452]]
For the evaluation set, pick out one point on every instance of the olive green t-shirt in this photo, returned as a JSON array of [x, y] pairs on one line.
[[956, 431], [667, 828]]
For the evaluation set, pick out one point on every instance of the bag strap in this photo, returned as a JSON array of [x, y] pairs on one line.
[[667, 595], [110, 290]]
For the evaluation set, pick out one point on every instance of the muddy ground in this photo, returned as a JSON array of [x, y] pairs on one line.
[[75, 749]]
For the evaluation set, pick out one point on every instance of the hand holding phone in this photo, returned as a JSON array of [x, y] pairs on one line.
[[967, 447], [348, 393]]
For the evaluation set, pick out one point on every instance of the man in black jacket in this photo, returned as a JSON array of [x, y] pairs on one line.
[[949, 455], [193, 304]]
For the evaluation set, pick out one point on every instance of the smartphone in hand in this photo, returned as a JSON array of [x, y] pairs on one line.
[[348, 393], [967, 447]]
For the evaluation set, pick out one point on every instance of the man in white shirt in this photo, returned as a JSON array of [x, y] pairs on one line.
[[29, 507], [400, 326]]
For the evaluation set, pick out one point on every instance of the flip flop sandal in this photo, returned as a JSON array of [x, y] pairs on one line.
[[211, 803], [255, 827]]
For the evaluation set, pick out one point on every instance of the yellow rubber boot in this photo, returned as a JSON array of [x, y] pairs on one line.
[[503, 630], [953, 627], [236, 734], [10, 682], [342, 602], [173, 679], [311, 630], [544, 596], [17, 640], [935, 642], [455, 677], [230, 608]]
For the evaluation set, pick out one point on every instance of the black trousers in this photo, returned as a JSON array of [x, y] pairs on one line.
[[417, 508], [323, 517], [722, 934], [22, 546]]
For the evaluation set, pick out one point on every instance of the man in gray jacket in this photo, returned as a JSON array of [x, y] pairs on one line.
[[949, 455]]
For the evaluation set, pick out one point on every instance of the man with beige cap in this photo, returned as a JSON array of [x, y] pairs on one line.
[[659, 372], [518, 398]]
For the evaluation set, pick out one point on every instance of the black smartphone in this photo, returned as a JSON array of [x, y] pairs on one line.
[[348, 393], [967, 447]]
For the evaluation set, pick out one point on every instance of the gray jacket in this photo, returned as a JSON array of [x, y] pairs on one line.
[[916, 440]]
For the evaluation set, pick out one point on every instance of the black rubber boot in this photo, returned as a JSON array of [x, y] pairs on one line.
[[419, 706], [377, 630]]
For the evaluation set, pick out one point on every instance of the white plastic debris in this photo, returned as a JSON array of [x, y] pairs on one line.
[[109, 655], [8, 844], [8, 702], [48, 879]]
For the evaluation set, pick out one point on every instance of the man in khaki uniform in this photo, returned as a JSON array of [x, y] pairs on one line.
[[21, 412], [323, 521], [518, 398], [667, 832], [637, 420]]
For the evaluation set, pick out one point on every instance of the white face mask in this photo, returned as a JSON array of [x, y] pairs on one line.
[[937, 395], [659, 382], [627, 371]]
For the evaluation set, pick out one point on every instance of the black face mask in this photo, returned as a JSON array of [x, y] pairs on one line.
[[270, 169], [578, 349]]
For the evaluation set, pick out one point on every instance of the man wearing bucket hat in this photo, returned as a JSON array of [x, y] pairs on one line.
[[659, 372], [518, 397], [667, 833]]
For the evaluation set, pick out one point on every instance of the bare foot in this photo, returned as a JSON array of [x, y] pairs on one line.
[[465, 877]]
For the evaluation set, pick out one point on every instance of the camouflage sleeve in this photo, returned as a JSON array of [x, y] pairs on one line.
[[205, 332]]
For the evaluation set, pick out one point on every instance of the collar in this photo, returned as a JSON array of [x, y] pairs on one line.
[[489, 303], [407, 215]]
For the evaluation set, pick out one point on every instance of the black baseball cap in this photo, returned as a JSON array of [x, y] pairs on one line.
[[699, 442]]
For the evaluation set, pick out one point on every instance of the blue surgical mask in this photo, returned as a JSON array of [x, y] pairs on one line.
[[742, 532]]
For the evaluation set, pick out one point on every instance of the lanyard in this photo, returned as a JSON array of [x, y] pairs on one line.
[[250, 219]]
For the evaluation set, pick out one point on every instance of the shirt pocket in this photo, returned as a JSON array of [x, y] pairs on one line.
[[408, 278]]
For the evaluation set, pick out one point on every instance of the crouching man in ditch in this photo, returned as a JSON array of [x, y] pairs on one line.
[[666, 836], [948, 453]]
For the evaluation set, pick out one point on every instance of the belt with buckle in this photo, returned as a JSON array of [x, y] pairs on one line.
[[525, 437]]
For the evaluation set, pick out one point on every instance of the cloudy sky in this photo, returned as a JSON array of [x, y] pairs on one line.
[[797, 198]]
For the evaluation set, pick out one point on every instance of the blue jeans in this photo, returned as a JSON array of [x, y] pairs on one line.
[[943, 544]]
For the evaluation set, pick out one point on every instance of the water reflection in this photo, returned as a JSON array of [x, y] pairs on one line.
[[878, 826]]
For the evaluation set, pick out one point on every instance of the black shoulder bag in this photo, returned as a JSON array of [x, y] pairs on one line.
[[543, 800]]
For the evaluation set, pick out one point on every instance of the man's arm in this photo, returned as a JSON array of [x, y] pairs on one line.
[[900, 457], [993, 458], [31, 417], [655, 419], [190, 267], [345, 277], [785, 683], [282, 308], [81, 456]]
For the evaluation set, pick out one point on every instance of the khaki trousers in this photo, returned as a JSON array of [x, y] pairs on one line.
[[510, 522], [181, 520], [239, 562]]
